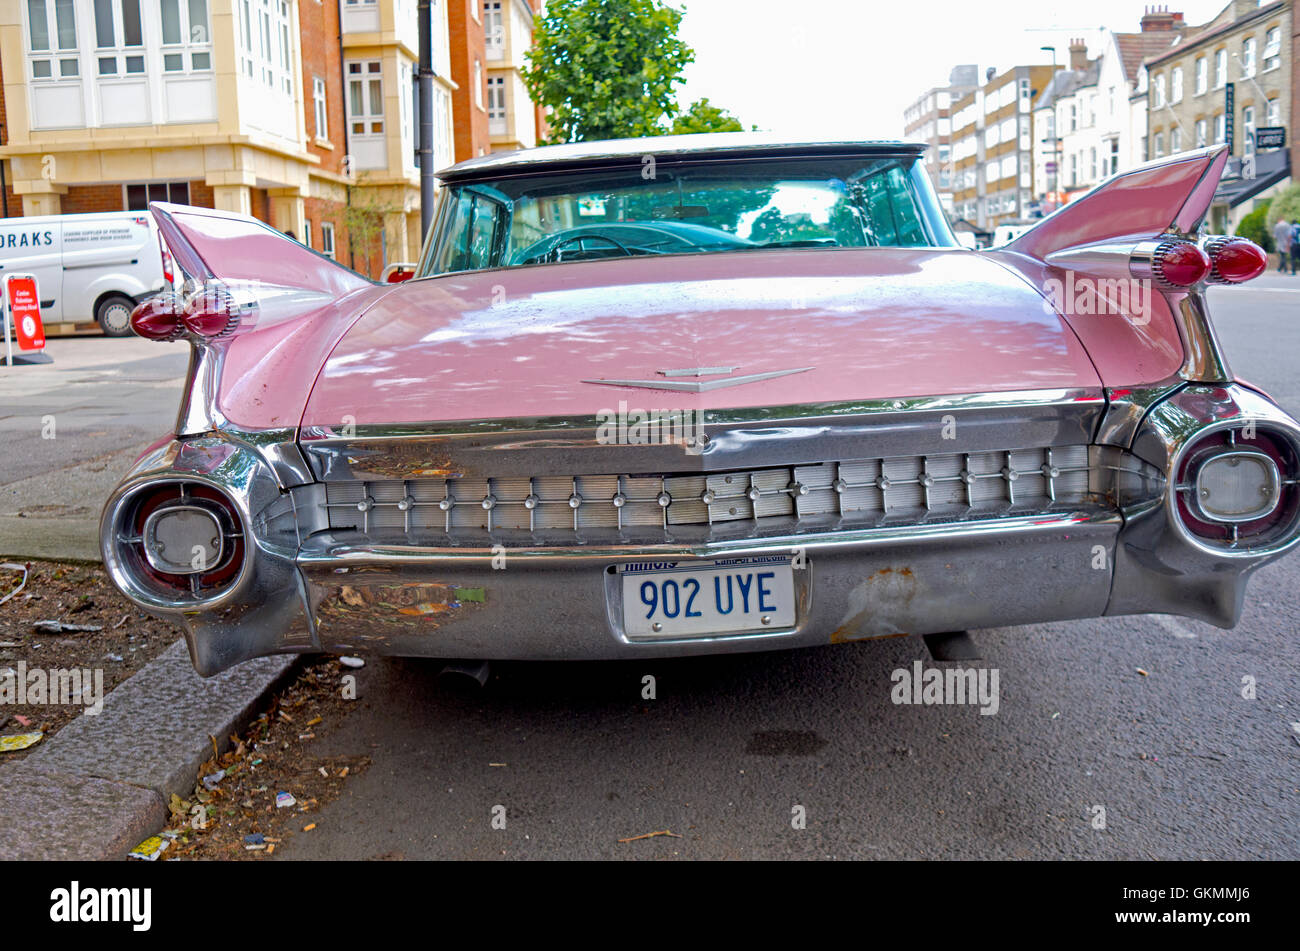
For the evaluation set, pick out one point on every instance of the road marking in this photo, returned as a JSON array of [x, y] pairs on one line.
[[1173, 627], [1273, 290]]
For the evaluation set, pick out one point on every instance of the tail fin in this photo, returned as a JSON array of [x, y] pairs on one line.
[[1168, 195], [220, 245]]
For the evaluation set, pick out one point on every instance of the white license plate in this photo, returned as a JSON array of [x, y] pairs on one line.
[[723, 596]]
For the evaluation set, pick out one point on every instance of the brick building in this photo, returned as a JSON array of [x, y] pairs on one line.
[[1225, 80], [992, 146], [302, 113]]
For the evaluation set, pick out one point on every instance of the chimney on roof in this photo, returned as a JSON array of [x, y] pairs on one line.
[[1159, 19], [1243, 8], [1078, 54]]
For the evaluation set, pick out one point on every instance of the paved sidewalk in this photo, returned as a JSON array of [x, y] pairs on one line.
[[101, 784]]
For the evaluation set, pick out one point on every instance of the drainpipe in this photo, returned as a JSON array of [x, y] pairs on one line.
[[4, 185], [425, 150], [347, 150]]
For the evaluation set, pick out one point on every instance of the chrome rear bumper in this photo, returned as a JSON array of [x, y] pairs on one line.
[[305, 586]]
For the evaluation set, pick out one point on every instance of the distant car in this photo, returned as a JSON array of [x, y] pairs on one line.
[[703, 394], [89, 268]]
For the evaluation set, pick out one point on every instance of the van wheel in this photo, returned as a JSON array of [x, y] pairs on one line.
[[114, 315]]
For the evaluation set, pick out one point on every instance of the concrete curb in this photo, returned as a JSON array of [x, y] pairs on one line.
[[104, 779]]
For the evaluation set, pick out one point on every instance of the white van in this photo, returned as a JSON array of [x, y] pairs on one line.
[[1006, 233], [90, 269]]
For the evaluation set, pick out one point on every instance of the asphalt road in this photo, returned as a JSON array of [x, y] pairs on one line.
[[1181, 763]]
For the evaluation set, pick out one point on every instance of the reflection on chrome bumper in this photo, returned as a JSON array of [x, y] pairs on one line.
[[305, 586], [552, 604]]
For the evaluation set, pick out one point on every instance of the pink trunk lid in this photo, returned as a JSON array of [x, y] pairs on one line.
[[870, 323]]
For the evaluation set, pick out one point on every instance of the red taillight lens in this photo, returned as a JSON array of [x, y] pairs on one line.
[[210, 313], [1180, 263], [168, 266], [157, 318], [1235, 259]]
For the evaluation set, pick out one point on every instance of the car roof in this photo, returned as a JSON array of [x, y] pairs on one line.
[[704, 146]]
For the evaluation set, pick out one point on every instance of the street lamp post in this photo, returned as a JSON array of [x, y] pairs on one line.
[[1055, 139]]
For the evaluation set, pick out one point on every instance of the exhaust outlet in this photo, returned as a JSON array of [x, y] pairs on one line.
[[461, 674]]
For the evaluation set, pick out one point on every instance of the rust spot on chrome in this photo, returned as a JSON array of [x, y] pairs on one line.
[[844, 636], [879, 602], [375, 612]]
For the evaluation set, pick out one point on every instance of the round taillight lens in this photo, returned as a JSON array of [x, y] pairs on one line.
[[1236, 488], [1180, 263], [158, 318], [1236, 260], [187, 537], [210, 312]]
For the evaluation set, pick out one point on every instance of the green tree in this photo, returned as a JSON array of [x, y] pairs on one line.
[[1253, 226], [703, 116], [1285, 204], [606, 69]]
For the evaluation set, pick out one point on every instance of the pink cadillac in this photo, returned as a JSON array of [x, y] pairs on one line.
[[701, 394]]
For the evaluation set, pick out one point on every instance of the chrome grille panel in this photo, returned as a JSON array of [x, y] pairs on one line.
[[897, 489]]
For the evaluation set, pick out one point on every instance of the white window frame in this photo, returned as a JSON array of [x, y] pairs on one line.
[[193, 51], [1202, 133], [1248, 129], [494, 28], [1220, 128], [365, 74], [478, 83], [1176, 85], [327, 239], [264, 39], [56, 57], [1272, 49], [1273, 112], [320, 107], [1202, 75], [1220, 68], [128, 61], [1160, 90], [1175, 140], [496, 105], [1248, 57]]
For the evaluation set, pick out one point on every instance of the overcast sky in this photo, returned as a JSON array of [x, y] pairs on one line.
[[848, 68]]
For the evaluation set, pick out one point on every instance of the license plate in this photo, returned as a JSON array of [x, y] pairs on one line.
[[723, 596]]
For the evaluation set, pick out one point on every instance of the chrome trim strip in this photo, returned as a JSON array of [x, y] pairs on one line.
[[343, 556], [1128, 406], [1007, 399], [698, 386], [742, 438]]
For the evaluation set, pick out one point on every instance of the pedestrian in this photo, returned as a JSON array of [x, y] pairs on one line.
[[1295, 245], [1282, 238]]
